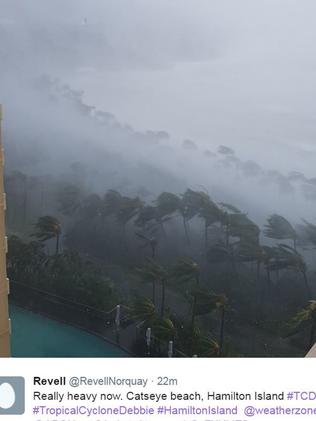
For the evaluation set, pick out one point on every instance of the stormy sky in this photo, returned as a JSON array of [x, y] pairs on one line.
[[210, 72]]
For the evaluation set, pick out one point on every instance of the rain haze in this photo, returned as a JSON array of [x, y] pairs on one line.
[[206, 73]]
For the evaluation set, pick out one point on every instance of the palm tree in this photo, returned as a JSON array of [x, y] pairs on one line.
[[206, 346], [91, 208], [279, 228], [142, 309], [190, 205], [150, 242], [225, 254], [187, 271], [206, 303], [122, 208], [307, 233], [221, 304], [111, 203], [211, 214], [194, 341], [48, 227], [305, 317], [238, 224], [69, 198], [155, 273], [163, 329], [249, 251], [227, 210], [167, 204], [127, 210], [25, 260], [286, 257]]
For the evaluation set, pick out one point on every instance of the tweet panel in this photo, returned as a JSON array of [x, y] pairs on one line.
[[143, 389]]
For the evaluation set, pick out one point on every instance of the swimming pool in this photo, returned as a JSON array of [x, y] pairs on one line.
[[34, 335]]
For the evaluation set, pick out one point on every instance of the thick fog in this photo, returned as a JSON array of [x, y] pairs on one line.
[[215, 95]]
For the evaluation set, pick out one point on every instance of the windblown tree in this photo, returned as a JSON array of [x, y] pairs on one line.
[[17, 184], [195, 342], [124, 209], [111, 203], [167, 204], [155, 274], [244, 247], [240, 240], [307, 233], [25, 260], [187, 272], [210, 213], [279, 228], [206, 303], [69, 198], [306, 318], [146, 222], [144, 311], [146, 218], [128, 209], [149, 242], [251, 251], [191, 203], [163, 329], [91, 207], [47, 228], [237, 224], [286, 257]]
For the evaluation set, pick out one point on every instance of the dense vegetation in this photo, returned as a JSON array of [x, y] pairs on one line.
[[196, 272]]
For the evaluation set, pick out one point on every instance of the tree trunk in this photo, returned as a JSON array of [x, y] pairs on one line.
[[25, 202], [154, 292], [221, 337], [308, 290], [153, 251], [193, 313], [206, 235], [162, 227], [312, 335], [57, 243], [258, 271], [269, 279], [186, 231], [163, 297], [197, 279], [227, 236]]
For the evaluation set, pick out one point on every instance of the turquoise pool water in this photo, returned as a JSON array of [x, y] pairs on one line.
[[36, 336]]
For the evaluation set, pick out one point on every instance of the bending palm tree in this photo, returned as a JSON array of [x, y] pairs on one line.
[[190, 205], [288, 258], [48, 227], [205, 303], [154, 273], [187, 271], [167, 204], [279, 228], [304, 317]]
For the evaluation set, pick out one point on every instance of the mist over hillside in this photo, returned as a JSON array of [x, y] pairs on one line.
[[53, 56]]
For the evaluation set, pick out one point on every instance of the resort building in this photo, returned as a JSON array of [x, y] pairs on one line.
[[4, 283]]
